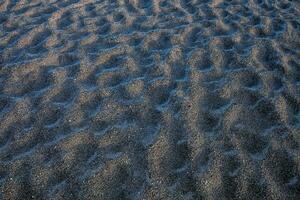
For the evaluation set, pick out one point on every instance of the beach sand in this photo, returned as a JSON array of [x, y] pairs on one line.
[[149, 99]]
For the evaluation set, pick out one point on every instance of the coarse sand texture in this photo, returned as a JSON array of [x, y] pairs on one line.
[[149, 99]]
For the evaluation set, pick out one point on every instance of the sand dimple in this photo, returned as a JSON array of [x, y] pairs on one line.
[[149, 99]]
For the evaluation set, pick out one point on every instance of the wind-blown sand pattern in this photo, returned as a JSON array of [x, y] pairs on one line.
[[149, 99]]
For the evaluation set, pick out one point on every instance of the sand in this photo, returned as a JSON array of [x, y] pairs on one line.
[[149, 99]]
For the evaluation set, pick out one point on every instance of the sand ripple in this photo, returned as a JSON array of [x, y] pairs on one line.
[[158, 99]]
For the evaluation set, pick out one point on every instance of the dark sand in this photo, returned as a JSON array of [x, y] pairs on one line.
[[149, 99]]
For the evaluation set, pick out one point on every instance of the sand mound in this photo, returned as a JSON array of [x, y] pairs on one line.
[[158, 99]]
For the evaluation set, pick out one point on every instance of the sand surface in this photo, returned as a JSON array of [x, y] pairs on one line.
[[149, 99]]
